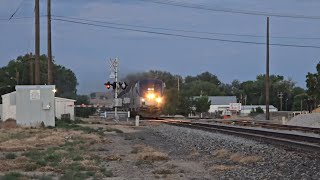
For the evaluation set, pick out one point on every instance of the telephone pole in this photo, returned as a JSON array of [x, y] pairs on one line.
[[50, 73], [31, 71], [267, 74], [280, 97], [37, 42]]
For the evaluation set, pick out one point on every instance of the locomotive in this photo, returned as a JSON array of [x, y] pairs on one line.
[[146, 98]]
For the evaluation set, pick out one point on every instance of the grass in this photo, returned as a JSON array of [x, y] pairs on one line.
[[162, 171], [12, 176], [10, 156]]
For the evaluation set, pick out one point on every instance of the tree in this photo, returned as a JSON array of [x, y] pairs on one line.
[[313, 85], [202, 104], [83, 111], [17, 72]]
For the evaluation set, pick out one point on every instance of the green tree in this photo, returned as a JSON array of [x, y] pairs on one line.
[[313, 85], [83, 111], [17, 72], [202, 104]]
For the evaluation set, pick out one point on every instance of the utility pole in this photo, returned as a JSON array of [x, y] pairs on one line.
[[267, 74], [50, 73], [31, 69], [280, 97], [37, 42], [178, 84]]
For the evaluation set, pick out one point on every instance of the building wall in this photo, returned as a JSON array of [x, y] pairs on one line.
[[64, 106], [9, 106], [0, 111], [35, 104], [214, 108]]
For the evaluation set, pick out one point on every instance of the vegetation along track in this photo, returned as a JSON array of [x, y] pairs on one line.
[[290, 141]]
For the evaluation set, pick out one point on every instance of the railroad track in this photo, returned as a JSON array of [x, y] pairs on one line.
[[270, 126], [291, 141]]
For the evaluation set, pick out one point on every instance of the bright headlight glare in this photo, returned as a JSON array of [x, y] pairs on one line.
[[159, 100], [143, 100], [150, 96]]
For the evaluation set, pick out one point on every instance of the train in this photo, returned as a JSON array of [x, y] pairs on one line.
[[146, 98]]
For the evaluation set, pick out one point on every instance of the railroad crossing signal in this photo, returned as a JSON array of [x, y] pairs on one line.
[[114, 85]]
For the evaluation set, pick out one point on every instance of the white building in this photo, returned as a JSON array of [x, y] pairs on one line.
[[246, 110], [8, 106], [221, 103], [64, 106]]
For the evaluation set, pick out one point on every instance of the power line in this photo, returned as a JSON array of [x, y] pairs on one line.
[[233, 11], [184, 36], [17, 9], [21, 17], [188, 31]]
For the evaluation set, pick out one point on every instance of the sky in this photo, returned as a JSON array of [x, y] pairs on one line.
[[86, 50]]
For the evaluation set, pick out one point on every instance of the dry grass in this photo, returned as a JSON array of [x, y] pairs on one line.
[[113, 158], [221, 153], [194, 152], [148, 154], [10, 165], [237, 157], [223, 168]]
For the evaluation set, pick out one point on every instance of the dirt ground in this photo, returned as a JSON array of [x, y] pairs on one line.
[[99, 149]]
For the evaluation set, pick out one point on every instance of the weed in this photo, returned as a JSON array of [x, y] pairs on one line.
[[108, 173], [12, 176], [53, 157], [141, 138], [90, 173], [31, 167], [129, 137], [10, 156], [162, 171], [69, 175], [41, 162], [45, 177], [76, 157]]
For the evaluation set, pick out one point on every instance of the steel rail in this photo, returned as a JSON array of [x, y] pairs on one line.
[[282, 139]]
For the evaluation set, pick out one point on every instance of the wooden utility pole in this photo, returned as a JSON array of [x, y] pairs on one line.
[[31, 71], [267, 74], [37, 42], [50, 72]]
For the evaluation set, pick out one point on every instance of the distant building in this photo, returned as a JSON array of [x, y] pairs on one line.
[[245, 110], [102, 99], [220, 103]]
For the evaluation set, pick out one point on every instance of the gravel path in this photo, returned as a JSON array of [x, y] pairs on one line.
[[228, 157]]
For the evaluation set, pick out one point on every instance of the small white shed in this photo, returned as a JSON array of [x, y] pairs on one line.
[[64, 106], [8, 106]]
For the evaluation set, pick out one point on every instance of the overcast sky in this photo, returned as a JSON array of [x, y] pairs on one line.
[[87, 49]]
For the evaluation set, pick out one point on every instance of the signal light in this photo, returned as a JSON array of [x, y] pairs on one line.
[[123, 85], [108, 85], [115, 85]]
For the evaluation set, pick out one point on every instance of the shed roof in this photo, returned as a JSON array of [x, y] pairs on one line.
[[64, 99], [221, 100]]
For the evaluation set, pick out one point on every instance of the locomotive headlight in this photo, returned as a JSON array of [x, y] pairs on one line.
[[143, 100], [151, 96], [159, 100]]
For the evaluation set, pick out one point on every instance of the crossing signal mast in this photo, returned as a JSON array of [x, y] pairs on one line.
[[115, 85]]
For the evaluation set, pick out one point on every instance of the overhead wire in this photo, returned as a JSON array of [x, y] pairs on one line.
[[183, 36], [232, 11], [182, 30], [17, 9]]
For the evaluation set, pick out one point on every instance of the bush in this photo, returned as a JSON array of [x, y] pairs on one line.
[[11, 156]]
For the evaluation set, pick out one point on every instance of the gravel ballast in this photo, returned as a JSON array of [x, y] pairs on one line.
[[229, 157]]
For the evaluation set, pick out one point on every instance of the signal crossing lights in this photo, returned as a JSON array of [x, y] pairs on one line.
[[122, 85]]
